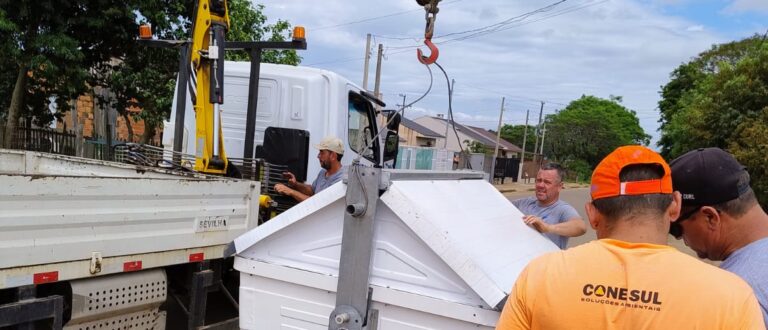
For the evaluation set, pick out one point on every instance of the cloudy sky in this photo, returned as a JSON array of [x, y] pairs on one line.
[[511, 48]]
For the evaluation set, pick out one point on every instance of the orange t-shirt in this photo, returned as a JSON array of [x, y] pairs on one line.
[[610, 284]]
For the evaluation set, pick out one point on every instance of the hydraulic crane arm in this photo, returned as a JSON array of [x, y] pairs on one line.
[[205, 81], [206, 85]]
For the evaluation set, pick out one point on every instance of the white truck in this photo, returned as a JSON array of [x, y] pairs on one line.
[[102, 245], [438, 252], [294, 97], [92, 244]]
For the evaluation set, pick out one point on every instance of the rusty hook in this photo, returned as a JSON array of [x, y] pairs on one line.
[[432, 57]]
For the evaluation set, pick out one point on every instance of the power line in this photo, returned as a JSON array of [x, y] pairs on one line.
[[415, 39], [505, 27], [491, 27], [507, 21], [559, 13], [376, 17], [337, 61], [487, 27], [521, 23], [527, 99], [405, 49], [364, 20]]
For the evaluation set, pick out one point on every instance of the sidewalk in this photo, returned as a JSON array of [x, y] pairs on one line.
[[510, 186]]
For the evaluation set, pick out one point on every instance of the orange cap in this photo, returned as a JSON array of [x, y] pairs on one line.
[[605, 178]]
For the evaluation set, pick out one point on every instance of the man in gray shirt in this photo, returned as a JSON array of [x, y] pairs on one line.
[[331, 149], [721, 218], [546, 213]]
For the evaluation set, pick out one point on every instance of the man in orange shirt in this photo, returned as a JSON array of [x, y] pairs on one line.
[[629, 278]]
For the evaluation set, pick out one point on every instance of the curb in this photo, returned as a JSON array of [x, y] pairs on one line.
[[517, 189], [532, 188]]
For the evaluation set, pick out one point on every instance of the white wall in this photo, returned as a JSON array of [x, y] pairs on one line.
[[439, 127]]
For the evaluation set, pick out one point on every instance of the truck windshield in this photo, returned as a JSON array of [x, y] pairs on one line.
[[360, 132]]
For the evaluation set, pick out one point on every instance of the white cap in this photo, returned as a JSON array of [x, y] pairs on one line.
[[331, 143]]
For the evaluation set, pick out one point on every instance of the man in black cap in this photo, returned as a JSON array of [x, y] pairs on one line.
[[721, 218]]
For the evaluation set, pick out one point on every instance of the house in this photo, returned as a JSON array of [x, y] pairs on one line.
[[505, 147], [415, 135], [468, 133], [89, 117]]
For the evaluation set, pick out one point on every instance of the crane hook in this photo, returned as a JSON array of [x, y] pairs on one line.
[[430, 6], [432, 57]]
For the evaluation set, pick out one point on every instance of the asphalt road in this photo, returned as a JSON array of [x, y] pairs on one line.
[[577, 197]]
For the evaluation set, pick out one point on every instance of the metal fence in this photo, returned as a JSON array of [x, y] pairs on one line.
[[66, 143], [424, 158], [45, 140]]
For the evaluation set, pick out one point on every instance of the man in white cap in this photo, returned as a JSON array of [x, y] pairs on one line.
[[331, 149]]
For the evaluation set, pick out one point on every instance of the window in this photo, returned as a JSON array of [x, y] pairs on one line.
[[360, 129]]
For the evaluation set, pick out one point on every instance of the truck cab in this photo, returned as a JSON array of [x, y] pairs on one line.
[[315, 101]]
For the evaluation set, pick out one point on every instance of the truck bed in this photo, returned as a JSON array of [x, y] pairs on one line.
[[122, 217]]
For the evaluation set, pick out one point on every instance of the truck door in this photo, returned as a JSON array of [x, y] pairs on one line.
[[361, 129]]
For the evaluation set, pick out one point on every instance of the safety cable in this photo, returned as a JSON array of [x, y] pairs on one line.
[[450, 111], [356, 169], [356, 161]]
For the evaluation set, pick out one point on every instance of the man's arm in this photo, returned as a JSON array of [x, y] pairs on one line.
[[296, 190], [303, 189], [574, 226], [300, 187], [294, 193]]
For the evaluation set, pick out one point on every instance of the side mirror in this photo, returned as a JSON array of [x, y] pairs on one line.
[[393, 121], [391, 145]]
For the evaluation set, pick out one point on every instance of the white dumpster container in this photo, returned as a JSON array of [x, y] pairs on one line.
[[446, 254]]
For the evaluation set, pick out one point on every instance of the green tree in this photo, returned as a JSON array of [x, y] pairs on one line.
[[588, 129], [720, 99], [8, 72], [142, 80], [57, 51], [145, 77], [686, 82], [476, 147], [52, 46], [514, 134], [248, 23]]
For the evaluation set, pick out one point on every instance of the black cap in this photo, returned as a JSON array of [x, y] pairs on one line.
[[708, 176]]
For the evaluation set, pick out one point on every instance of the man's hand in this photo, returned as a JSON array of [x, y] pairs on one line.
[[291, 179], [283, 189], [537, 223]]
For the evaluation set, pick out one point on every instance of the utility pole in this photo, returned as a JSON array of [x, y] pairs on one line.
[[522, 156], [403, 105], [543, 132], [498, 137], [367, 60], [449, 118], [377, 86], [538, 127]]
